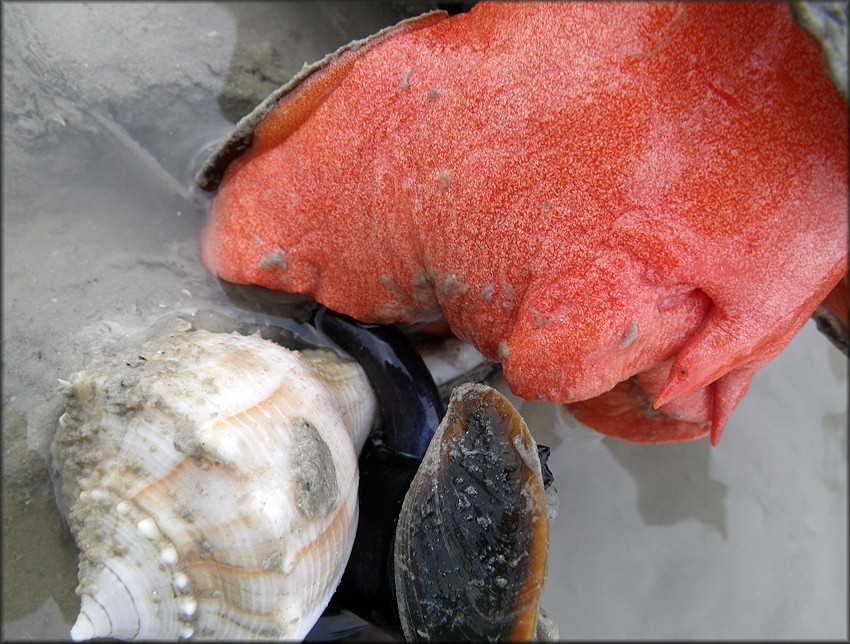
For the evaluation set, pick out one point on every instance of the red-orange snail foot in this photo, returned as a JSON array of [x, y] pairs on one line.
[[591, 193]]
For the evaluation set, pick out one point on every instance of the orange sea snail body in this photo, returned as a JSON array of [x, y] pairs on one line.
[[632, 206]]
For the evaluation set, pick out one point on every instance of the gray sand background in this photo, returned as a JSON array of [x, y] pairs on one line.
[[107, 111]]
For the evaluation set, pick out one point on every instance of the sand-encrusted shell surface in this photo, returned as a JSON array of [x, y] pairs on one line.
[[212, 482]]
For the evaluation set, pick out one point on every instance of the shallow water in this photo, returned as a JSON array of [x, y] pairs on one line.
[[107, 111]]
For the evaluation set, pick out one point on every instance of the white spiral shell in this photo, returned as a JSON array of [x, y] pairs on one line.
[[212, 485]]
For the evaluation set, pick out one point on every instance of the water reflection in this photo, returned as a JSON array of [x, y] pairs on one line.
[[673, 482]]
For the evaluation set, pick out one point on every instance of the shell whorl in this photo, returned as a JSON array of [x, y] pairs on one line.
[[212, 481]]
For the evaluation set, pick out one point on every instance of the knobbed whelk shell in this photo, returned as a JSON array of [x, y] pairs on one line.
[[212, 486]]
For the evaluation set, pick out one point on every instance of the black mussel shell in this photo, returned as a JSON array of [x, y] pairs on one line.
[[472, 537]]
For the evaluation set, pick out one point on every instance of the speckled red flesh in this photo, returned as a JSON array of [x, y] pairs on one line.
[[639, 193]]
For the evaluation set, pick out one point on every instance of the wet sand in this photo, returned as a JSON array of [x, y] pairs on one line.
[[108, 111]]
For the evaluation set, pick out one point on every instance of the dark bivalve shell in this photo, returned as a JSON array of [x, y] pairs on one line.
[[472, 536]]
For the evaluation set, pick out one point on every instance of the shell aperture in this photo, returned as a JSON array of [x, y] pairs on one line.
[[397, 373], [212, 486], [411, 409], [472, 536]]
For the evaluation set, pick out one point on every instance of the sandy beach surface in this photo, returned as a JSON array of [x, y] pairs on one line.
[[108, 110]]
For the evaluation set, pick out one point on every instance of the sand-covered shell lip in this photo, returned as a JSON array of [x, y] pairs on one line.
[[827, 23], [212, 485], [240, 139]]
